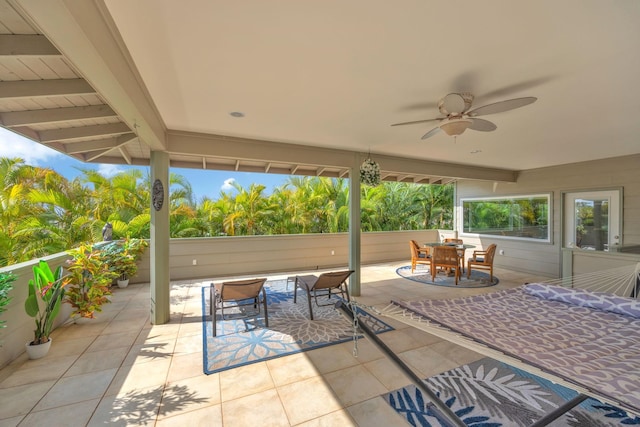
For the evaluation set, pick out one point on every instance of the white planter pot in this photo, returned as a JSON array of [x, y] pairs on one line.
[[38, 351], [123, 283]]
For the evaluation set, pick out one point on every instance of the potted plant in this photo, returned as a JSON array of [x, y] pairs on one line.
[[122, 257], [46, 291], [89, 280], [6, 284]]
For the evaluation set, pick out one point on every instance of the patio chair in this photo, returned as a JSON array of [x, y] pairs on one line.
[[445, 257], [246, 296], [482, 260], [419, 255], [328, 284], [451, 240]]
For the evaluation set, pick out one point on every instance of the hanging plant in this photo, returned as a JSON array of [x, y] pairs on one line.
[[370, 172]]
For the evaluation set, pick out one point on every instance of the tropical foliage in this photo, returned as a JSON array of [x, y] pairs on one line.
[[6, 285], [42, 212], [46, 291]]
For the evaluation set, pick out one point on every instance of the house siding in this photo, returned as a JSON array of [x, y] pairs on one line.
[[546, 258]]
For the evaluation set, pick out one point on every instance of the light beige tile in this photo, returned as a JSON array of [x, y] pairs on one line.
[[354, 385], [245, 380], [74, 331], [36, 370], [426, 362], [190, 394], [77, 389], [388, 374], [332, 358], [187, 366], [111, 341], [400, 340], [205, 417], [288, 369], [11, 422], [139, 376], [97, 361], [125, 326], [376, 413], [261, 409], [149, 352], [70, 347], [308, 399], [135, 407], [366, 350], [77, 414], [188, 344], [460, 355], [21, 399], [337, 418]]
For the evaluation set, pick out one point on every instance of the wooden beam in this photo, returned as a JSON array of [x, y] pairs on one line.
[[83, 132], [125, 155], [41, 88], [54, 115], [96, 144], [26, 45]]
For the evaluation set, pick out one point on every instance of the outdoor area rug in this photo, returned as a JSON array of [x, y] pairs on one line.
[[422, 274], [244, 341], [490, 393]]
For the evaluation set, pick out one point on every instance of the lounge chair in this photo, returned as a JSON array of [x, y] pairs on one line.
[[246, 296], [326, 284]]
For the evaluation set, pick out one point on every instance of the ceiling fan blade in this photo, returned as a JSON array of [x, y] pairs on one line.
[[499, 107], [482, 125], [417, 121], [431, 133]]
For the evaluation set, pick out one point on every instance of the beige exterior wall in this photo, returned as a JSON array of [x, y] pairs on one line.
[[249, 255], [545, 258], [219, 257]]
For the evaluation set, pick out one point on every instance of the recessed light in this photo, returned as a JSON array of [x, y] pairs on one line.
[[476, 151], [236, 114]]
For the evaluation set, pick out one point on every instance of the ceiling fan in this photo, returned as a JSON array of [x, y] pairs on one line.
[[458, 116]]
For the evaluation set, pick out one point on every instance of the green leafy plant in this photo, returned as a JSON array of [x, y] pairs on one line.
[[89, 281], [122, 256], [6, 284], [46, 291]]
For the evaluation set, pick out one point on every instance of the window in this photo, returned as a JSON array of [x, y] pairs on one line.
[[592, 219], [519, 217]]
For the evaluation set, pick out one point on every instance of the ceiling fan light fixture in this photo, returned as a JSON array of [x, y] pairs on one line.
[[455, 127]]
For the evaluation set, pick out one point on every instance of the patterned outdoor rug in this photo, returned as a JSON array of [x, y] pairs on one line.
[[490, 393], [422, 274], [245, 341]]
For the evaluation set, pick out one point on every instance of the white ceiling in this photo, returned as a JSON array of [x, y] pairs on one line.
[[337, 73], [109, 81]]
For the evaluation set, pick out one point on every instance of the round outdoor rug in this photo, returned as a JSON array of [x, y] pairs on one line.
[[422, 274]]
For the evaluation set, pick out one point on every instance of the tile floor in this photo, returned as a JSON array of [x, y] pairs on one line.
[[121, 370]]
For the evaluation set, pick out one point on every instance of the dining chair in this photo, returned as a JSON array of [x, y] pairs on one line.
[[445, 257], [243, 296], [419, 255], [326, 284], [482, 260], [460, 250]]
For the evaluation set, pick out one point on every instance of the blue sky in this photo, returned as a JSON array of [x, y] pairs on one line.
[[204, 183]]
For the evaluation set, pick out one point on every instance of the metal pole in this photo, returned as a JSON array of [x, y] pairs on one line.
[[560, 411], [446, 412]]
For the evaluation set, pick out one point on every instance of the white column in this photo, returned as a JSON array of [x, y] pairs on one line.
[[354, 225], [159, 246]]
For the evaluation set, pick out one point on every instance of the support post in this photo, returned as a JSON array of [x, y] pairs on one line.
[[354, 225], [159, 246]]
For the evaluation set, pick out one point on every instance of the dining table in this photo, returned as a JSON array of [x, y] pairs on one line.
[[462, 247]]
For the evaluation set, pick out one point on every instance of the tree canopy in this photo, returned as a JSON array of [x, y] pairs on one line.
[[42, 212]]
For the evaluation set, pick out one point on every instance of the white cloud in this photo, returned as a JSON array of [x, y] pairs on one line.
[[109, 170], [34, 154], [228, 184]]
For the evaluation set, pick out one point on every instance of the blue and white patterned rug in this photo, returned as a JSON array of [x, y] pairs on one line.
[[241, 342], [488, 393], [422, 274]]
